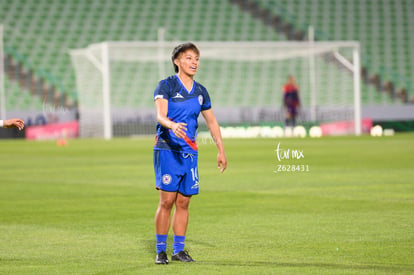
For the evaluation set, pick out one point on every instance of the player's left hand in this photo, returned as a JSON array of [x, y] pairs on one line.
[[221, 162], [14, 122]]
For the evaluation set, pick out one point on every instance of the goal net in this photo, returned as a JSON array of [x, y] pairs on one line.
[[116, 81]]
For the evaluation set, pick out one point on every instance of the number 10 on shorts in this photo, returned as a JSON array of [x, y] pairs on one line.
[[194, 173]]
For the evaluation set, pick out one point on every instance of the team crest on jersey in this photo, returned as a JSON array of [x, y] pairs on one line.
[[166, 179], [200, 99]]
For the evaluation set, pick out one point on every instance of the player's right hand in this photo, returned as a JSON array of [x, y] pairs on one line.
[[179, 129]]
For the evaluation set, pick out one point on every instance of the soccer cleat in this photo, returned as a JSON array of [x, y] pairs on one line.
[[182, 256], [161, 258]]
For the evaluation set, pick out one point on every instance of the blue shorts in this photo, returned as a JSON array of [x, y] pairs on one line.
[[176, 172]]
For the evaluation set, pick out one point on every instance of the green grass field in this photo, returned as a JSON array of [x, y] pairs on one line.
[[88, 208]]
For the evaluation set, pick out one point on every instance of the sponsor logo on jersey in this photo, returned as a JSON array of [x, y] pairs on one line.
[[178, 95], [166, 179], [200, 99]]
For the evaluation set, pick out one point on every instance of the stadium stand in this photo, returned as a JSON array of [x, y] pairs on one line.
[[38, 35], [20, 98], [383, 27]]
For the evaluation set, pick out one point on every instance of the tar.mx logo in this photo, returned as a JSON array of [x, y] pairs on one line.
[[288, 153]]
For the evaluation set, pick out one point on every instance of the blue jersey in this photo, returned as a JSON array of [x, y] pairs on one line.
[[183, 106]]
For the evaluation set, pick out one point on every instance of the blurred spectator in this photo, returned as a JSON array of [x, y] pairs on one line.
[[290, 102]]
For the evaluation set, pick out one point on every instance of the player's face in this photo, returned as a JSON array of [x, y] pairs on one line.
[[187, 62]]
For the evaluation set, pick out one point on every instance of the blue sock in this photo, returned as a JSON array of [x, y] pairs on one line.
[[161, 243], [178, 244]]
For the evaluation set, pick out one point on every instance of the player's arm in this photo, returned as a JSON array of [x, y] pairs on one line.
[[10, 123], [215, 132], [284, 98], [297, 98], [161, 106]]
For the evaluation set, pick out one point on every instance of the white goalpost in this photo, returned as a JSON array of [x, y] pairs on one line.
[[116, 80], [2, 86]]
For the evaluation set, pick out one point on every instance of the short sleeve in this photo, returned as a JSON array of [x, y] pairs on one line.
[[206, 100], [162, 90]]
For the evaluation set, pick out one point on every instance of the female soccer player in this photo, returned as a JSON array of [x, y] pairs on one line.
[[178, 102]]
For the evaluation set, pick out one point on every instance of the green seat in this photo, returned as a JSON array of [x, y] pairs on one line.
[[56, 26]]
